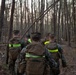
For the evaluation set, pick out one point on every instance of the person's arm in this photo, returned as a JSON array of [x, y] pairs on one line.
[[62, 56], [23, 44], [49, 58], [21, 56], [53, 65], [22, 53]]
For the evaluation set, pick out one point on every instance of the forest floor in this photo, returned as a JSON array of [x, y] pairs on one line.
[[69, 52], [70, 55]]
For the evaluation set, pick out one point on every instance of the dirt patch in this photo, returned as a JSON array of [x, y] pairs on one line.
[[70, 55], [3, 71]]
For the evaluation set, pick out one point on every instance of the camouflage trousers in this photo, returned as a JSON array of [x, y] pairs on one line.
[[12, 66], [20, 68]]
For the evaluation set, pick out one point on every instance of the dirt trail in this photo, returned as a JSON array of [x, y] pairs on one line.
[[70, 55]]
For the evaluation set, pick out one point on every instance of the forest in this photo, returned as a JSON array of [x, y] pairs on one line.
[[45, 16]]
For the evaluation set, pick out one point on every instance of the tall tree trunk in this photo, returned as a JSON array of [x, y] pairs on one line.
[[47, 26], [17, 16], [62, 23], [35, 9], [2, 17], [42, 18], [28, 16], [25, 14], [65, 31], [21, 24], [59, 15], [39, 8], [74, 20], [11, 19], [68, 25], [54, 19], [32, 17]]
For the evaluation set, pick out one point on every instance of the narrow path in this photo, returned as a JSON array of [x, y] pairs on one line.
[[70, 54]]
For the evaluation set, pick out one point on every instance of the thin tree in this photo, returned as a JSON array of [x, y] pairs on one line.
[[74, 20], [47, 26], [42, 19], [35, 7], [32, 14], [59, 17], [11, 19], [21, 16], [2, 17], [54, 18]]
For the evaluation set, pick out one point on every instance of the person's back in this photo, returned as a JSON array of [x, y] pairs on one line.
[[35, 59], [35, 56], [53, 49], [14, 46], [56, 52]]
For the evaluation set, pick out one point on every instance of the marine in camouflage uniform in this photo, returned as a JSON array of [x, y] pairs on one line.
[[57, 52], [20, 59], [20, 63], [36, 57], [14, 48]]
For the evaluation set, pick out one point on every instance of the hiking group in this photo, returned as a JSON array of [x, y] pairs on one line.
[[34, 56]]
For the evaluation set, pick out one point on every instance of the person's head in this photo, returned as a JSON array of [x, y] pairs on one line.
[[36, 36], [16, 33], [28, 36], [52, 37], [47, 36]]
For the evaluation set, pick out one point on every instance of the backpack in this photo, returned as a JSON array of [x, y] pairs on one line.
[[53, 49], [14, 48], [35, 59]]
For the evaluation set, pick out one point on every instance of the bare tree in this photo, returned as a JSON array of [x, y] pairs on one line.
[[74, 19], [2, 17], [11, 19], [42, 18], [21, 24]]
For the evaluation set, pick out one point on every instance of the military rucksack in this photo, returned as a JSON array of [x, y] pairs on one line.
[[35, 59], [53, 49], [14, 48]]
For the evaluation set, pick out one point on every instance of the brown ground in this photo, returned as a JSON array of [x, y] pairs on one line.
[[70, 54]]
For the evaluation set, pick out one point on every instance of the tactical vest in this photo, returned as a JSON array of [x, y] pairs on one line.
[[35, 59], [14, 48]]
